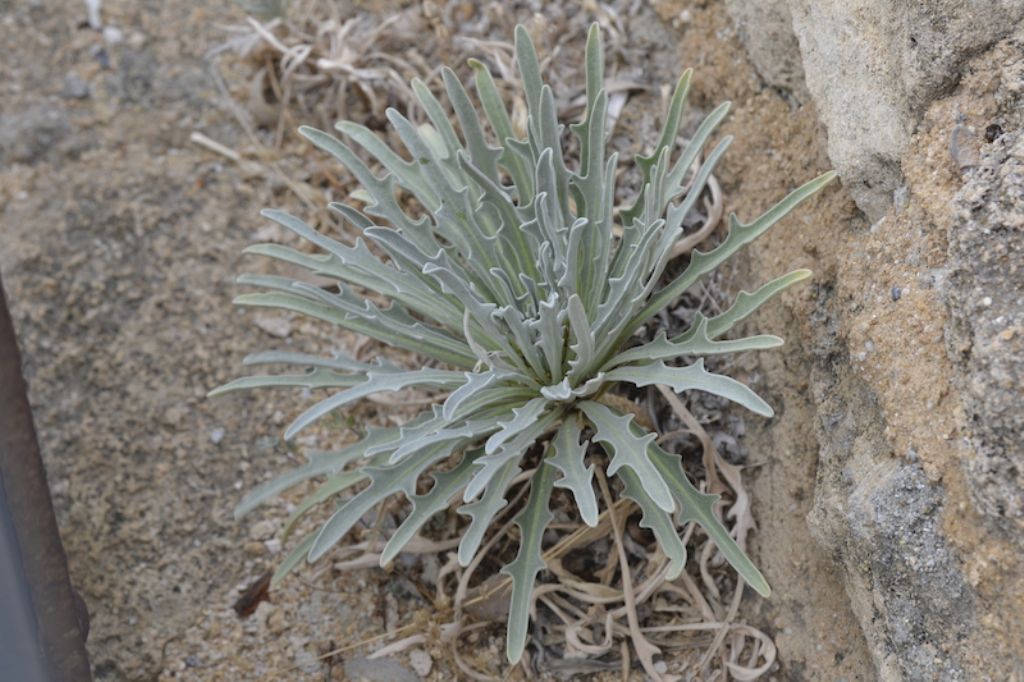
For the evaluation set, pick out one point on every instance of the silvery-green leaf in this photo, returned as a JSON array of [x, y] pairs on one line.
[[669, 133], [439, 117], [294, 558], [532, 521], [576, 475], [483, 510], [484, 156], [338, 361], [746, 303], [583, 348], [384, 482], [407, 172], [522, 417], [689, 378], [696, 341], [657, 520], [529, 71], [511, 450], [470, 430], [375, 383], [739, 235], [319, 463], [410, 337], [475, 383], [328, 489], [696, 144], [551, 337], [382, 190], [520, 333], [626, 449], [446, 485], [497, 115], [699, 507], [317, 378]]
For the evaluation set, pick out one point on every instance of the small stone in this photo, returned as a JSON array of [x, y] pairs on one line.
[[276, 622], [421, 662], [217, 435], [262, 530], [254, 550], [275, 326], [384, 669], [174, 415], [74, 87], [896, 293], [112, 35], [265, 611], [192, 661], [273, 545]]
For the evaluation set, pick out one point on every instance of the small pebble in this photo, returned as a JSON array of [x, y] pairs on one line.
[[75, 87], [421, 662], [896, 293], [192, 661], [217, 435], [112, 35], [102, 58], [262, 530], [275, 326]]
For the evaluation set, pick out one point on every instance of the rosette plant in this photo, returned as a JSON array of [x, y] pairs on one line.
[[522, 283]]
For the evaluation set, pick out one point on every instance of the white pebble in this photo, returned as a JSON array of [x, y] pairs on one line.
[[112, 35], [421, 662]]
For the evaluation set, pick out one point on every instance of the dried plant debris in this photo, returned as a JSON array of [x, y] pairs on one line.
[[605, 602]]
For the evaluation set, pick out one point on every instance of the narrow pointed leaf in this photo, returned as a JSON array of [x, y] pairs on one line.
[[532, 521], [692, 377]]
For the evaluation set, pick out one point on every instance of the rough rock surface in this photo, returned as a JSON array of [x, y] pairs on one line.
[[908, 353], [986, 299], [873, 67], [766, 28]]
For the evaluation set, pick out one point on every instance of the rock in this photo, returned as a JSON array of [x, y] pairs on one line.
[[262, 530], [882, 519], [254, 549], [766, 29], [872, 68], [385, 669], [986, 298], [217, 435], [913, 329], [274, 325], [112, 35], [421, 662]]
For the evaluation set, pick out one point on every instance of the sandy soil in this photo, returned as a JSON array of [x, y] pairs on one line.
[[120, 241]]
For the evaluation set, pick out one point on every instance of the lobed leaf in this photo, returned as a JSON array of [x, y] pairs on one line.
[[532, 521]]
